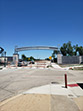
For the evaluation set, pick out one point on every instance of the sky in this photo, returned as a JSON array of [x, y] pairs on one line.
[[40, 23]]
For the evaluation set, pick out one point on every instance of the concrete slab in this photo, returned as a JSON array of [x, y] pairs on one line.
[[55, 65], [52, 89], [62, 103], [39, 102], [31, 102], [77, 91], [39, 90], [61, 90], [79, 102]]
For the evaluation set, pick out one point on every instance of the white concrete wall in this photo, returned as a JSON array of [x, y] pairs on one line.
[[15, 58], [59, 58]]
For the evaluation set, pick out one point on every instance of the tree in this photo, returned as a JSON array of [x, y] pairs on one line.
[[32, 58], [47, 59], [54, 52], [24, 57], [80, 50], [69, 49], [63, 49], [53, 55], [75, 49]]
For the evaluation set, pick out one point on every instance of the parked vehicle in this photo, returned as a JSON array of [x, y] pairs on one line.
[[20, 64], [23, 63], [32, 62]]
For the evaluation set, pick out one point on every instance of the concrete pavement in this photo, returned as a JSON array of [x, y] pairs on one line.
[[37, 88], [14, 81], [39, 102], [52, 97], [57, 89]]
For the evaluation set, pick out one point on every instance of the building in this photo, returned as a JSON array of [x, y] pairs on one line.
[[6, 59]]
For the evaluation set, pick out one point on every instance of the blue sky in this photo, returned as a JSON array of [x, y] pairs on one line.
[[40, 22]]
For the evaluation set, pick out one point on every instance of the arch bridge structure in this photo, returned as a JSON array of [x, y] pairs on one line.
[[18, 49], [35, 48]]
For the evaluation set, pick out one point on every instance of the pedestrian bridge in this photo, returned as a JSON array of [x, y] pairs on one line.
[[35, 48]]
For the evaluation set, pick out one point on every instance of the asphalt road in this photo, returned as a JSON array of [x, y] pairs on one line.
[[15, 81]]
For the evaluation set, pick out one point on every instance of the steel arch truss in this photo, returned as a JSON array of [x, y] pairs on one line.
[[35, 48]]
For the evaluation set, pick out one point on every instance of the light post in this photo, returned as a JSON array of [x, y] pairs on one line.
[[5, 59]]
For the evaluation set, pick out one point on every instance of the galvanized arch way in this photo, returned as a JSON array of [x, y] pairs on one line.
[[35, 48], [16, 56]]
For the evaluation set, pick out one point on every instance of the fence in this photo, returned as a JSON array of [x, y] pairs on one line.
[[69, 59]]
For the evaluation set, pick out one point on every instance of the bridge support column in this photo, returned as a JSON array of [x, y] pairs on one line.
[[15, 58], [59, 58]]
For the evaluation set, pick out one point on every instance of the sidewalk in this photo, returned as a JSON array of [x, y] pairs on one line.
[[51, 97]]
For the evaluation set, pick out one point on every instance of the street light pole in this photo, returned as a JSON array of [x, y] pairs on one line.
[[5, 59]]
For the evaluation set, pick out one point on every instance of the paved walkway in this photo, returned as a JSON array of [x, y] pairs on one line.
[[46, 98], [57, 89]]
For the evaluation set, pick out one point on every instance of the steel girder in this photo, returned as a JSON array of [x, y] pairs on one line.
[[35, 48]]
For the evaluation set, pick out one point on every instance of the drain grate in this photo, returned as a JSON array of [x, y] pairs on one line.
[[80, 84], [54, 83]]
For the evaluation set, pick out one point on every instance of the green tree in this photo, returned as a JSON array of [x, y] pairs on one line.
[[24, 57], [47, 59], [53, 55], [32, 58], [80, 50], [63, 49], [75, 49], [54, 52], [69, 49]]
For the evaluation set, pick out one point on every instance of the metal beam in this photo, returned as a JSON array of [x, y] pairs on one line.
[[35, 48]]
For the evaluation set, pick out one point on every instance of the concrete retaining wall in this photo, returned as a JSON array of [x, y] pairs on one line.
[[69, 59]]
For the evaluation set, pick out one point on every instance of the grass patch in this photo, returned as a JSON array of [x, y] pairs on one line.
[[78, 68], [70, 65]]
